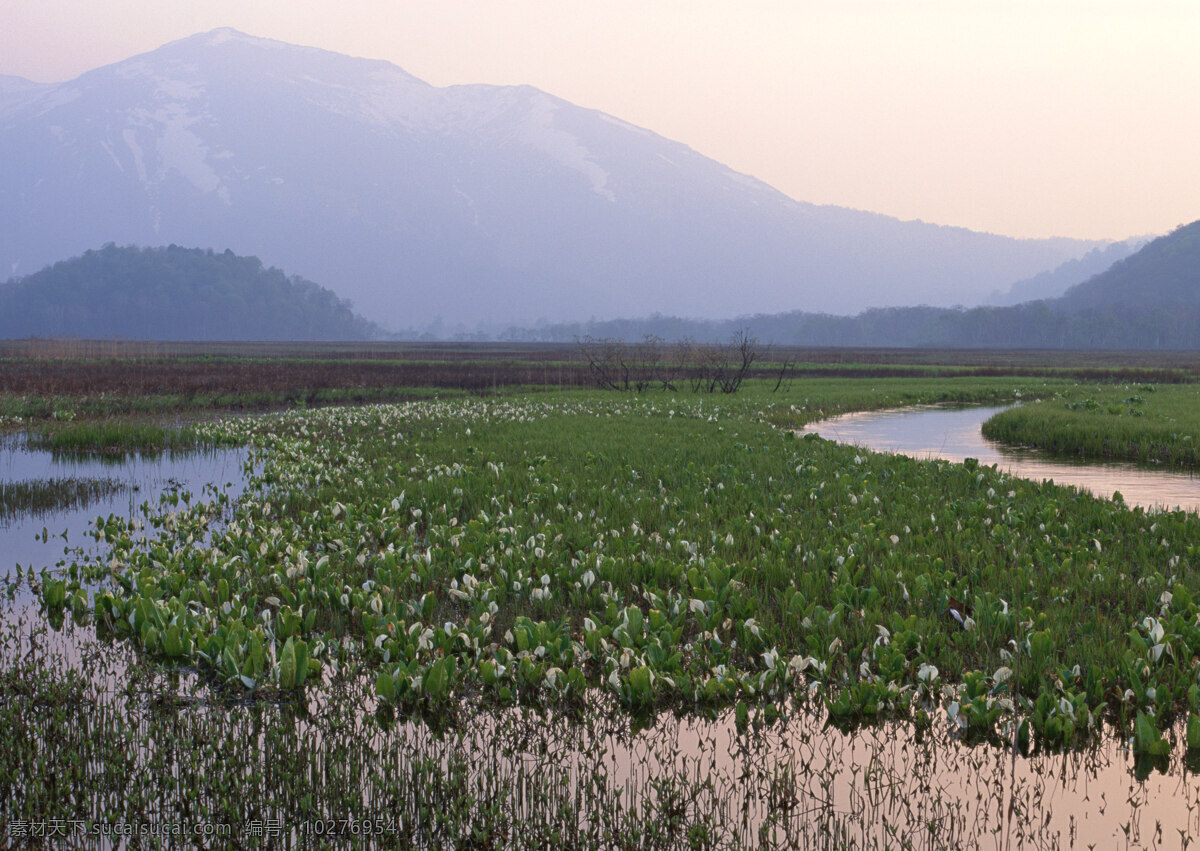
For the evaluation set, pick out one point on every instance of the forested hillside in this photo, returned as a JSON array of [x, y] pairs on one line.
[[174, 293]]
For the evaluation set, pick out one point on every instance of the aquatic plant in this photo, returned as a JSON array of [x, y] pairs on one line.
[[35, 497]]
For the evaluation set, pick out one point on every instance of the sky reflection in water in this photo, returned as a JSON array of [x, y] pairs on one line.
[[954, 434]]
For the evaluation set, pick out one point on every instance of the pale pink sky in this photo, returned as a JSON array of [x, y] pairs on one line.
[[1059, 117]]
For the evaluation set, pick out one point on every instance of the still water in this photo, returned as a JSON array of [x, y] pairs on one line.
[[954, 434], [42, 539]]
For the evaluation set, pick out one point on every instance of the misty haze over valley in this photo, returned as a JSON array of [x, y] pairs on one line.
[[466, 206]]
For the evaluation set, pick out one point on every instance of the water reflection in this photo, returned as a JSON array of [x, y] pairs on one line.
[[42, 538], [954, 434], [534, 775]]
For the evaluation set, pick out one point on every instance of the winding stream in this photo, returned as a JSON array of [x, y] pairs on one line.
[[955, 434]]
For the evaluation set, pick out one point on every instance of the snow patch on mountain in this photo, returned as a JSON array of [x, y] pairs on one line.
[[129, 134], [541, 133], [224, 35], [181, 150]]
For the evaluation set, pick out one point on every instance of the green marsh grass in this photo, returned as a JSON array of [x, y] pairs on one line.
[[1157, 424], [115, 437], [36, 497], [673, 551]]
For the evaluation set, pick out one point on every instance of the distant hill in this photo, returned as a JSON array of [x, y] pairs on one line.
[[1055, 282], [173, 293], [474, 203], [1149, 300], [1164, 274]]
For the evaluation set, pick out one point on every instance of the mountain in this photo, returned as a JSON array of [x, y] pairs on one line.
[[10, 86], [173, 293], [1055, 282], [1164, 274], [1150, 300], [468, 203]]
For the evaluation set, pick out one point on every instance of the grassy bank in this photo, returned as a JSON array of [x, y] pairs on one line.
[[120, 437], [1157, 424]]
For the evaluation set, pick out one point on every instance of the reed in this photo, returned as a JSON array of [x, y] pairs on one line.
[[43, 496]]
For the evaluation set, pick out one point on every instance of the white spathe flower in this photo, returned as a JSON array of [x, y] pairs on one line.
[[927, 673]]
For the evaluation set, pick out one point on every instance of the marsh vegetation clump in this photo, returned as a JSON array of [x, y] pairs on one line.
[[41, 496], [1146, 423]]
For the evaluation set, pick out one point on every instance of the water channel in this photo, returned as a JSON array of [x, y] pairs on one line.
[[955, 434]]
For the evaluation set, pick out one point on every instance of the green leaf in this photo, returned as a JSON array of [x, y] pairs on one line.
[[171, 642], [437, 680], [287, 665], [1193, 732], [1147, 739], [385, 687]]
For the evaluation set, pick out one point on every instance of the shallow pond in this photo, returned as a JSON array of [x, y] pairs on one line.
[[37, 537], [954, 434]]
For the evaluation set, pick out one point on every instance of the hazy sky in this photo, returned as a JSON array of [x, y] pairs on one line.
[[1024, 118]]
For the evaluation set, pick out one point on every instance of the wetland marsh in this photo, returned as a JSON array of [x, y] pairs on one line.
[[604, 619]]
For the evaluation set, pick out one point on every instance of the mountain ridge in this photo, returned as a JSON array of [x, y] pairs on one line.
[[470, 202], [1148, 300]]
